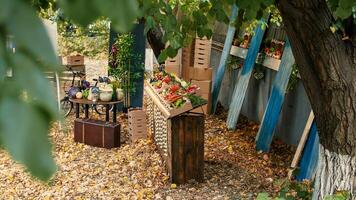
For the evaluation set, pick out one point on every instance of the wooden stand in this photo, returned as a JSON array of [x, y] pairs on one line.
[[180, 142]]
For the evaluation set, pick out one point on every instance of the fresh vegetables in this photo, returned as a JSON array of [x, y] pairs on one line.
[[174, 91], [79, 95], [73, 91]]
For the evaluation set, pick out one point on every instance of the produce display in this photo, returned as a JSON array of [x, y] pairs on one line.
[[103, 90], [175, 92], [274, 48]]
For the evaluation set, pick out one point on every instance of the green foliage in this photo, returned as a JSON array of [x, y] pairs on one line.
[[124, 64], [26, 103], [293, 190], [293, 79], [290, 190], [91, 41], [27, 106], [340, 195]]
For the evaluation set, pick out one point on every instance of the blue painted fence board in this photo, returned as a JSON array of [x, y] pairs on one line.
[[275, 102], [309, 160], [225, 54], [244, 78]]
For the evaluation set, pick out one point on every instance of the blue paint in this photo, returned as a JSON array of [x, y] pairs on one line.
[[225, 54], [309, 160], [275, 102], [244, 78]]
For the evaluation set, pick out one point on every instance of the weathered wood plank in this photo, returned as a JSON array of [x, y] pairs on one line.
[[244, 78], [275, 102], [303, 140], [309, 160], [225, 54]]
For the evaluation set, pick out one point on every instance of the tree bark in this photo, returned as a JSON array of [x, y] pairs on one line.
[[327, 65], [154, 38]]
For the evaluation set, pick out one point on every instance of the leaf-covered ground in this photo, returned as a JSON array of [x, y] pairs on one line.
[[233, 169]]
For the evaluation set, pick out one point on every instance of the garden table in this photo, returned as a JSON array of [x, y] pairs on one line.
[[86, 104]]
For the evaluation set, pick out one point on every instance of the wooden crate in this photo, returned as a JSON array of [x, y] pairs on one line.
[[176, 61], [202, 53], [164, 107], [75, 60], [180, 142], [137, 124]]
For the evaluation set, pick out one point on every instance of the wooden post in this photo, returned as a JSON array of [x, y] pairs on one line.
[[309, 160], [244, 78], [225, 54], [275, 102]]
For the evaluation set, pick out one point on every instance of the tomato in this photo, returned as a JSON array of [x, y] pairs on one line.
[[174, 88], [166, 79]]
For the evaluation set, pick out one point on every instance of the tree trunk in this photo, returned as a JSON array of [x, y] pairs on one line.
[[327, 65], [154, 38]]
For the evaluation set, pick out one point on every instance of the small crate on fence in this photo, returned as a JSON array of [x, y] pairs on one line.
[[202, 53], [137, 124]]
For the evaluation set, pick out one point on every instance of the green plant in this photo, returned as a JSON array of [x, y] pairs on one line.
[[293, 190], [293, 79], [125, 65], [290, 190]]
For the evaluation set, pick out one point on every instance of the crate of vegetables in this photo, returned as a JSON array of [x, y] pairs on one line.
[[173, 95]]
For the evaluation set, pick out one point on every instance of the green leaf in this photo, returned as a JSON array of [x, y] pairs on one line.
[[40, 89], [30, 34], [150, 24], [123, 13], [263, 196], [81, 11], [23, 132], [162, 56], [5, 8]]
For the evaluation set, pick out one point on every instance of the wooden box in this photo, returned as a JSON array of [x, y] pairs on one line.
[[187, 59], [202, 73], [180, 142], [173, 69], [137, 124], [205, 86], [202, 53], [75, 60], [97, 133], [176, 61], [165, 108]]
